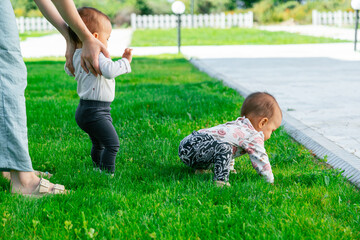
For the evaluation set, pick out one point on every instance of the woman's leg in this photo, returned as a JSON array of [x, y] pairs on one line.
[[6, 175], [23, 182], [14, 154]]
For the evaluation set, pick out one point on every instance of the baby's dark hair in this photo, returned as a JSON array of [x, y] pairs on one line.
[[259, 104], [91, 17]]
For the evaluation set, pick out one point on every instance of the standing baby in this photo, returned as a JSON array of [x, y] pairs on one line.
[[97, 92], [219, 145]]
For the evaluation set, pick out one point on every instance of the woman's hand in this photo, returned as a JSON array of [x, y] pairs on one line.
[[70, 49], [90, 55]]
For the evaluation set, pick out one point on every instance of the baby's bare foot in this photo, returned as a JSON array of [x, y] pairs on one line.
[[222, 184]]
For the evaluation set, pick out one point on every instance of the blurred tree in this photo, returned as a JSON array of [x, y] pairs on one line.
[[210, 6], [25, 8], [161, 6], [27, 5], [231, 5], [143, 8], [249, 3], [204, 6]]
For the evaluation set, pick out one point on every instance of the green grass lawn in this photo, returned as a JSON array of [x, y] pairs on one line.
[[211, 36], [154, 195]]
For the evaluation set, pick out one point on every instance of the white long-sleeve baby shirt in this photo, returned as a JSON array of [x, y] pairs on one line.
[[101, 87]]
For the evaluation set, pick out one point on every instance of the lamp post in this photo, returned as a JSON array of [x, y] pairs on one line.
[[178, 8], [355, 4]]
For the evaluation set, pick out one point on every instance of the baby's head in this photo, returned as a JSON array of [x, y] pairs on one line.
[[97, 22], [263, 111]]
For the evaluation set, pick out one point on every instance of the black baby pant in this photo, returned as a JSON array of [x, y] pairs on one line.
[[94, 118], [201, 151]]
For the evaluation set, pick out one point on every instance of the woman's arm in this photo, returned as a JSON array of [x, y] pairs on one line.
[[50, 12], [59, 10]]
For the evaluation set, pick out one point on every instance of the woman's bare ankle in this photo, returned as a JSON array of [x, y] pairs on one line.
[[23, 182], [6, 175]]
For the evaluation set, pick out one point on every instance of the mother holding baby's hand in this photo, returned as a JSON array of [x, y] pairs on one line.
[[14, 154]]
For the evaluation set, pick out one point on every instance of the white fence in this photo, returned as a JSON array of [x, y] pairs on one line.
[[33, 24], [196, 21], [338, 18], [156, 21]]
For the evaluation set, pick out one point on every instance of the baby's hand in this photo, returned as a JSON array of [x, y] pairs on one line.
[[128, 54]]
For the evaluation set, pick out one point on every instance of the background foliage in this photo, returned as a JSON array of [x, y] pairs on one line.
[[265, 11], [272, 11]]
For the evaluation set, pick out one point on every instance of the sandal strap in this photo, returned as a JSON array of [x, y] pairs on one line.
[[44, 185], [58, 188]]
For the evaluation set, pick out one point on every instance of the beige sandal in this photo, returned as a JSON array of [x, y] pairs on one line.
[[44, 189]]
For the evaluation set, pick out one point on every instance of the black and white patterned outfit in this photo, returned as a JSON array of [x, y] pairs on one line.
[[201, 151], [221, 144]]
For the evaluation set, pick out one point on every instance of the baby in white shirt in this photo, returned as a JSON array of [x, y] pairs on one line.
[[97, 92]]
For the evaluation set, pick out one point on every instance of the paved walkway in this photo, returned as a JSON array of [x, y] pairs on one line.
[[54, 45], [317, 31], [317, 85]]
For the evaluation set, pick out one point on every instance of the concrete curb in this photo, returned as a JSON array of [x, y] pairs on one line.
[[337, 157]]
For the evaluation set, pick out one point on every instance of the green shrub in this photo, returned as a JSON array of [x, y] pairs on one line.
[[289, 5], [271, 11], [301, 14], [19, 12], [34, 13], [263, 11]]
